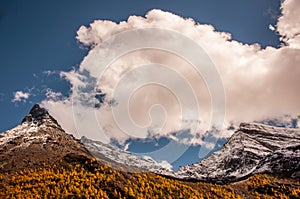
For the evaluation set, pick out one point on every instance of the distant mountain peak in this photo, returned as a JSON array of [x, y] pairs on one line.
[[39, 116]]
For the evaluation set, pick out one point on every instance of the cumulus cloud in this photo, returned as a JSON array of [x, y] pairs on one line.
[[20, 96], [258, 82], [288, 24]]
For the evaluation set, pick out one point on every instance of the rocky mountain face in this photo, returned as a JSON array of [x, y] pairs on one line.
[[38, 140], [253, 148], [118, 157]]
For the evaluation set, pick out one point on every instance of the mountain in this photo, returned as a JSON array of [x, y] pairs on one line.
[[253, 148], [38, 140], [119, 157], [38, 159]]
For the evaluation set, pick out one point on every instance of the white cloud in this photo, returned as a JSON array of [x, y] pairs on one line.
[[51, 95], [20, 96], [126, 147], [271, 27], [165, 164], [258, 82], [49, 72], [63, 113], [288, 24]]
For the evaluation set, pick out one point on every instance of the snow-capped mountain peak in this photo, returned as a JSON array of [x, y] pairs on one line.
[[39, 138], [38, 116], [37, 119]]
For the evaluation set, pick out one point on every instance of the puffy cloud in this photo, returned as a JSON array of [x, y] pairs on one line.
[[288, 24], [259, 83], [20, 96]]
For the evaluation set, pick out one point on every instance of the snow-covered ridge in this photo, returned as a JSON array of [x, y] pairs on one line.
[[113, 155], [269, 130], [28, 131], [253, 148]]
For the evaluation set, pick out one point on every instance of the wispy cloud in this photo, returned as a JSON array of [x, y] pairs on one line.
[[52, 95], [2, 96], [50, 72]]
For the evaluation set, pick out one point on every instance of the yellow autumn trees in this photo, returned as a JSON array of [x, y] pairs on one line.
[[101, 181]]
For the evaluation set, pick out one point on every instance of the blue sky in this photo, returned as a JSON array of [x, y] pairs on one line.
[[37, 36], [37, 41]]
